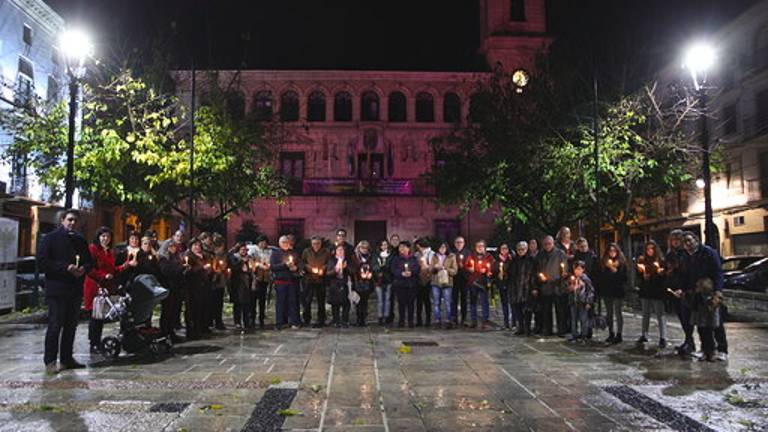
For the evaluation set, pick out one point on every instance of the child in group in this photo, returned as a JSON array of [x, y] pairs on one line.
[[583, 299]]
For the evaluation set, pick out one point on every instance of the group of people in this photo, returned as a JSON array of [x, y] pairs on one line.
[[564, 280]]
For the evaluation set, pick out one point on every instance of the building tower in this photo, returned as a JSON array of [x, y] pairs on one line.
[[512, 32]]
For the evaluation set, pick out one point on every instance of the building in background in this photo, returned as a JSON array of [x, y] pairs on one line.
[[359, 140], [738, 130]]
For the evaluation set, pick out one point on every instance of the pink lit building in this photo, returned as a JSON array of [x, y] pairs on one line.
[[359, 140]]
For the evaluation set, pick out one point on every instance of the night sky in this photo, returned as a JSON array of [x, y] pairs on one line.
[[389, 35]]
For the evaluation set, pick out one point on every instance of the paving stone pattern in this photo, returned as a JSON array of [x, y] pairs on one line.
[[362, 379]]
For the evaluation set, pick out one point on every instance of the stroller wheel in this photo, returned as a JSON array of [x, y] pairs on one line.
[[110, 346]]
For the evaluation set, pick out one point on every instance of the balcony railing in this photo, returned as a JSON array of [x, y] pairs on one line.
[[363, 187]]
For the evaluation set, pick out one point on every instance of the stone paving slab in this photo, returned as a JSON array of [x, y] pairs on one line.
[[357, 379]]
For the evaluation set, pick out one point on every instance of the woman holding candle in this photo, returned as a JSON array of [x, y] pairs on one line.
[[383, 278], [650, 274], [363, 278], [128, 254], [241, 280], [262, 279], [196, 272], [501, 279], [612, 279], [103, 275], [219, 281], [405, 279], [172, 270], [285, 266], [341, 274], [424, 254], [443, 269], [479, 266], [459, 292]]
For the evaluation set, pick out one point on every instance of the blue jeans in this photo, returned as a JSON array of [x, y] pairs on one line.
[[383, 294], [286, 304], [445, 293], [478, 294]]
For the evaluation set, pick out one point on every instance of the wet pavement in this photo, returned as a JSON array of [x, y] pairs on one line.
[[365, 379]]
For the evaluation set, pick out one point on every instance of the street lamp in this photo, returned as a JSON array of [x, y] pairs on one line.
[[699, 58], [76, 47]]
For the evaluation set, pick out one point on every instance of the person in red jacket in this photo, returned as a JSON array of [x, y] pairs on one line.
[[103, 275], [479, 266]]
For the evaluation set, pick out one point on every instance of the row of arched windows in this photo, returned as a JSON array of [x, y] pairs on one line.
[[370, 105]]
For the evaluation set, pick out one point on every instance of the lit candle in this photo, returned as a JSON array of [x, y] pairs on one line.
[[149, 257], [406, 266], [77, 260], [186, 260], [290, 259], [641, 267], [315, 270], [542, 277]]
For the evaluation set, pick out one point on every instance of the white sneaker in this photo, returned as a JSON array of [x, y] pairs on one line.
[[721, 356]]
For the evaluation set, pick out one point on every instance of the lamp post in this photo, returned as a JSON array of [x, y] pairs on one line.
[[76, 47], [699, 58]]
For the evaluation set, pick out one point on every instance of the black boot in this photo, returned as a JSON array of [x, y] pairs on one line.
[[610, 338], [618, 339]]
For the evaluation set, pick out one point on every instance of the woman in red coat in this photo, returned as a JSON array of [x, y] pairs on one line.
[[104, 275]]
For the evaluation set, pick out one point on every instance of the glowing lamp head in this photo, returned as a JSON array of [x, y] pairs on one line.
[[76, 46], [700, 183], [699, 58]]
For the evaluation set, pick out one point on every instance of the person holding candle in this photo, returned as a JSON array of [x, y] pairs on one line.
[[362, 266], [172, 271], [612, 278], [241, 281], [522, 281], [405, 273], [128, 254], [340, 273], [315, 259], [383, 280], [479, 266], [443, 268], [65, 260], [533, 247], [424, 254], [285, 265], [584, 253], [261, 255], [550, 269], [218, 283], [196, 273], [104, 274], [583, 301], [650, 276], [459, 291], [501, 279], [394, 245], [565, 244]]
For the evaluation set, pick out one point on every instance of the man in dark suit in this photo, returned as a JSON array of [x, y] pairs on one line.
[[65, 260]]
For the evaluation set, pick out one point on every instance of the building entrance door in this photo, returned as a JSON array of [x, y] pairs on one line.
[[372, 231]]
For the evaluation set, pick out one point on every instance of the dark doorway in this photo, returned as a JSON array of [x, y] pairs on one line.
[[372, 231]]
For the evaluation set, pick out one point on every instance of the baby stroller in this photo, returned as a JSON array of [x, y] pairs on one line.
[[133, 309]]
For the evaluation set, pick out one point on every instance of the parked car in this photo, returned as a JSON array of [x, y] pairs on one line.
[[29, 283], [739, 262], [753, 277]]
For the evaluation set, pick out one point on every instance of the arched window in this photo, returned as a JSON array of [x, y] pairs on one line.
[[425, 107], [398, 111], [369, 106], [262, 105], [316, 106], [451, 108], [761, 48], [342, 106], [235, 105], [289, 106]]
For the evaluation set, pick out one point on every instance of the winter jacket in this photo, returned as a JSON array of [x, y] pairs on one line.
[[262, 257], [314, 262], [241, 279], [397, 267], [650, 278], [522, 279], [552, 265], [448, 264], [612, 284], [278, 263], [501, 271], [362, 271], [105, 264], [584, 294], [425, 258], [478, 267], [381, 267], [58, 250], [338, 286]]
